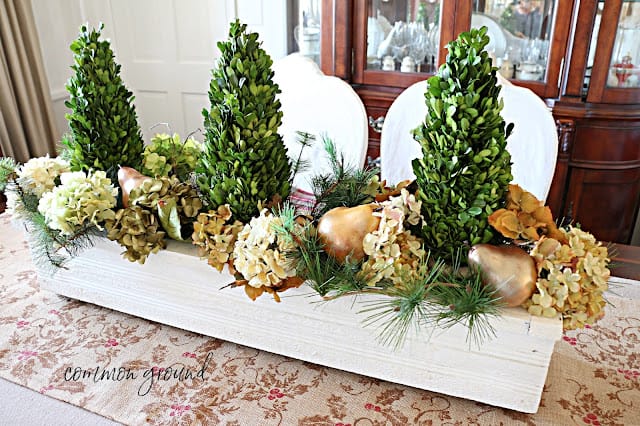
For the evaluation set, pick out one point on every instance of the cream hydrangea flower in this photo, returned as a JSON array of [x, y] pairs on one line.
[[393, 252], [79, 200], [38, 175], [575, 278], [260, 256]]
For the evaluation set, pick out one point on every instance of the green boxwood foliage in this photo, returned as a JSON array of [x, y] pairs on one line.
[[465, 169], [103, 121], [244, 160]]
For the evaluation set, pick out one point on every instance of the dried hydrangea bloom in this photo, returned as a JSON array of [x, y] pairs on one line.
[[39, 175], [260, 255], [393, 252], [79, 200], [506, 222], [525, 217], [575, 277], [215, 236]]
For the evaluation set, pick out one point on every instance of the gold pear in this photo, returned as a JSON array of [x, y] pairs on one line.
[[129, 179], [342, 230], [507, 269]]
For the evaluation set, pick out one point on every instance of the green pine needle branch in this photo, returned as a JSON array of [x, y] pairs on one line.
[[50, 248], [438, 297], [344, 186], [7, 170], [305, 140]]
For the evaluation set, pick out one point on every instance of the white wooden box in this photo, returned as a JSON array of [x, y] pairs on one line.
[[177, 288]]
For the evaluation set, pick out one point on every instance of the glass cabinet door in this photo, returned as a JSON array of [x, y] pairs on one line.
[[304, 29], [398, 42], [616, 60], [402, 35], [624, 66], [528, 39]]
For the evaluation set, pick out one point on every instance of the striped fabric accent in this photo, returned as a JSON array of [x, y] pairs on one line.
[[302, 200]]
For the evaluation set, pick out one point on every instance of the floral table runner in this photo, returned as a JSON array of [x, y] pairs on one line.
[[139, 372]]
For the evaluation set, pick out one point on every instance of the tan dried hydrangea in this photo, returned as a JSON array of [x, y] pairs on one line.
[[260, 256], [575, 278], [525, 217], [215, 236], [393, 252]]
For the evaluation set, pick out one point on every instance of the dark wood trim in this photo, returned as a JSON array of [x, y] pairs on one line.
[[343, 21], [615, 95], [578, 49], [622, 113], [360, 17], [327, 41], [390, 78], [463, 11], [566, 133], [557, 47], [448, 15], [609, 165], [604, 49], [626, 263], [335, 45]]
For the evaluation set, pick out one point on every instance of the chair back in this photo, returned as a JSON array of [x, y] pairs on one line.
[[323, 106], [533, 144]]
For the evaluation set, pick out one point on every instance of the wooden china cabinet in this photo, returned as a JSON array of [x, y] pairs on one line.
[[582, 57]]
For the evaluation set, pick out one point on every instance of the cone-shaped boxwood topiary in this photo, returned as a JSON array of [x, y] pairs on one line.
[[465, 170], [244, 160], [103, 121]]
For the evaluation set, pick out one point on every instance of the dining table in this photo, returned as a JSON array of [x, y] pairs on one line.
[[62, 348]]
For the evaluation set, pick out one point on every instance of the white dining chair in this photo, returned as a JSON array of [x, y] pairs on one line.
[[321, 105], [533, 144]]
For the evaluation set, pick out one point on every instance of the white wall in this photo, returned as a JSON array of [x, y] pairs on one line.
[[166, 48]]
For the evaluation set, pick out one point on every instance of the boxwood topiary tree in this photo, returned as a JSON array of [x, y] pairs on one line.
[[244, 160], [465, 170], [103, 121]]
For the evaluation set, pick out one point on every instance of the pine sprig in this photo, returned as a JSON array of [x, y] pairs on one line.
[[466, 301], [406, 306], [305, 140], [7, 171], [438, 297], [344, 186], [50, 248]]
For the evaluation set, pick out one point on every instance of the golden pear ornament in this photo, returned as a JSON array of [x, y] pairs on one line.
[[509, 270], [342, 230], [129, 179]]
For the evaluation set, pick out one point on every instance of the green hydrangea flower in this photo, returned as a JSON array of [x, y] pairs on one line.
[[80, 199]]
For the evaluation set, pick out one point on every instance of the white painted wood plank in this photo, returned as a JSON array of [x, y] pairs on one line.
[[176, 288]]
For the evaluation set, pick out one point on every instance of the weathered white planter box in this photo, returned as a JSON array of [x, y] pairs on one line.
[[177, 288]]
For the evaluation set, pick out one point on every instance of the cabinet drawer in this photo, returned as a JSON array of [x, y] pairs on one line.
[[608, 141], [605, 202]]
